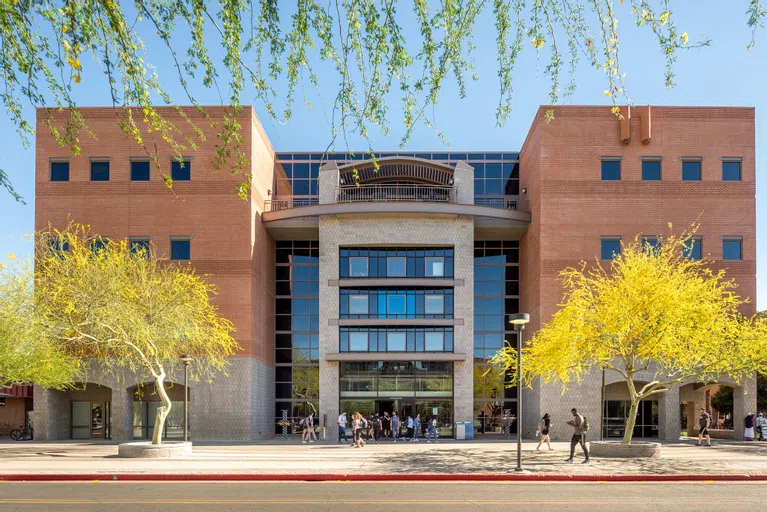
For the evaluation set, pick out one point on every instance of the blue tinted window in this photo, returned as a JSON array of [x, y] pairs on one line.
[[180, 249], [358, 304], [435, 341], [99, 171], [98, 244], [140, 247], [396, 342], [301, 187], [693, 249], [732, 250], [396, 305], [59, 171], [650, 244], [139, 171], [611, 170], [434, 304], [181, 171], [396, 266], [358, 341], [650, 170], [610, 249], [731, 171], [358, 267], [691, 170]]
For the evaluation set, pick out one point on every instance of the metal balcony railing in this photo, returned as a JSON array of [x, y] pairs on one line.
[[395, 192], [273, 205], [503, 202]]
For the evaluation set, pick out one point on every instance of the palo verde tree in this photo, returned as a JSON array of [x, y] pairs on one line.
[[371, 51], [128, 311], [28, 356], [653, 310]]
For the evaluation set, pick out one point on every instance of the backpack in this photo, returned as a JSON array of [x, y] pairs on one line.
[[301, 422], [585, 424], [363, 423], [376, 422]]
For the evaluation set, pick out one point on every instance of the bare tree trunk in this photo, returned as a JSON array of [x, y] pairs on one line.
[[162, 412], [631, 420]]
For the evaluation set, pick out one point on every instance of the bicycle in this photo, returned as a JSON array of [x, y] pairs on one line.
[[21, 433]]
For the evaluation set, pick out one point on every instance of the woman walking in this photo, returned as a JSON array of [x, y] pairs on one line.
[[355, 429], [543, 431], [749, 434]]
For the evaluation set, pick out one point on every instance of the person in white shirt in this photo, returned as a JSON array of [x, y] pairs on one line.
[[342, 428]]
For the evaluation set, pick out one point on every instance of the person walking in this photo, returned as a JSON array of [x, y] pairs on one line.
[[386, 425], [543, 431], [355, 429], [304, 424], [376, 427], [363, 426], [312, 433], [410, 426], [761, 426], [416, 427], [342, 428], [433, 432], [395, 426], [704, 422], [748, 422], [580, 427]]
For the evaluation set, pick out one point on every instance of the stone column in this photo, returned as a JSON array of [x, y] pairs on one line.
[[121, 417], [463, 182], [669, 415], [744, 401], [329, 370], [45, 405], [328, 181]]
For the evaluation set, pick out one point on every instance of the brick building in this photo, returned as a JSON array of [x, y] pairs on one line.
[[391, 295]]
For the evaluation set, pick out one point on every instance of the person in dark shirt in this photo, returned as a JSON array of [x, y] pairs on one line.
[[704, 422], [543, 431]]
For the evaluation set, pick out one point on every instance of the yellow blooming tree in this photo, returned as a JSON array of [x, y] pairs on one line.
[[27, 357], [653, 310], [127, 310]]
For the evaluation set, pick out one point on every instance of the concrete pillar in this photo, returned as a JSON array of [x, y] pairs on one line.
[[44, 415], [328, 181], [692, 418], [463, 182], [744, 401], [669, 415], [121, 417], [329, 309]]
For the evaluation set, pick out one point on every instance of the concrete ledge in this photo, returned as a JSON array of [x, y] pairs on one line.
[[615, 449], [147, 450]]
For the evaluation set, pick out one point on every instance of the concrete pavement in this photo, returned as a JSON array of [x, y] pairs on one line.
[[278, 458], [267, 497]]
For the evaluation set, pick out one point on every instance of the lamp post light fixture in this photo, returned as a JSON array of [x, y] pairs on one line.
[[187, 360], [518, 320]]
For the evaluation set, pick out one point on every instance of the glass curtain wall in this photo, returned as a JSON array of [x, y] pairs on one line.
[[496, 295], [296, 331]]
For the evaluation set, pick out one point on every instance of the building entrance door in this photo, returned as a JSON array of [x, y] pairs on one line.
[[97, 420]]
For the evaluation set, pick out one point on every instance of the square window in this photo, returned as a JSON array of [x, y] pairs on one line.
[[693, 249], [358, 341], [139, 170], [650, 170], [732, 250], [99, 244], [610, 249], [59, 171], [435, 341], [181, 171], [611, 170], [140, 247], [358, 304], [180, 249], [650, 244], [396, 266], [396, 304], [395, 342], [99, 171], [731, 170], [434, 304], [358, 266], [435, 267], [691, 170]]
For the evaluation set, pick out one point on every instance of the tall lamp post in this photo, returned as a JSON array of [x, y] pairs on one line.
[[518, 320], [187, 360]]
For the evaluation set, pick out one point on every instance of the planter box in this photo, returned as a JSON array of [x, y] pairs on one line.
[[147, 450], [615, 449]]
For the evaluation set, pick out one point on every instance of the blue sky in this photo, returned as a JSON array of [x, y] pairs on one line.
[[723, 74]]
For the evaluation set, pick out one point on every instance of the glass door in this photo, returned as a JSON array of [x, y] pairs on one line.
[[97, 420], [81, 414]]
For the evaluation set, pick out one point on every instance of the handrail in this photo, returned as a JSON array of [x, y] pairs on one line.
[[274, 205], [503, 202], [396, 192]]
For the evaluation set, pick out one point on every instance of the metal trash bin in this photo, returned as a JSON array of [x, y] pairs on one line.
[[464, 430]]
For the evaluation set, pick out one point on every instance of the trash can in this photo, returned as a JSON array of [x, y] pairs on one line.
[[469, 429], [464, 430]]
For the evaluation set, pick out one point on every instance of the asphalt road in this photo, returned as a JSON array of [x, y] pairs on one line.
[[241, 496]]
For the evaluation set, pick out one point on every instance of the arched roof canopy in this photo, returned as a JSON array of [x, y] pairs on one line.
[[397, 169]]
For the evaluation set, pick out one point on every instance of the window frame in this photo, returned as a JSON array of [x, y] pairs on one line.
[[141, 240], [654, 160], [390, 260], [148, 170], [352, 259], [186, 168], [738, 161], [696, 241], [441, 299], [729, 240], [610, 159], [180, 239], [55, 161], [389, 309], [354, 334], [108, 169], [691, 160], [359, 296], [398, 334], [429, 334], [601, 247], [433, 259]]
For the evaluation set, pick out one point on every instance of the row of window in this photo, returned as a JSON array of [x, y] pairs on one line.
[[396, 303], [732, 248], [651, 169], [180, 248], [139, 170], [403, 339], [364, 155], [404, 262]]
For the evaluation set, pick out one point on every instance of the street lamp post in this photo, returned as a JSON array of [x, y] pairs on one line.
[[187, 360], [518, 320]]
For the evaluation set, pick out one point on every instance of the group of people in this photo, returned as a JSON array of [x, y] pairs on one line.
[[755, 427], [580, 426], [377, 427]]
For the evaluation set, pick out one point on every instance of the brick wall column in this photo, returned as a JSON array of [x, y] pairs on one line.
[[669, 415], [743, 402], [329, 254], [45, 405]]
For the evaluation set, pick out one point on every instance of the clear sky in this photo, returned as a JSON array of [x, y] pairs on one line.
[[725, 74]]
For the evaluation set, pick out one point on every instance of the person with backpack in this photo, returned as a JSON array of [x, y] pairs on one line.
[[312, 434], [543, 431], [395, 426], [304, 424], [410, 426], [580, 425], [362, 425], [376, 427], [416, 427], [433, 431]]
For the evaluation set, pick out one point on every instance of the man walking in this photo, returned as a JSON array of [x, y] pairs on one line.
[[580, 426], [416, 427], [704, 422], [342, 428], [395, 426], [376, 427], [409, 425]]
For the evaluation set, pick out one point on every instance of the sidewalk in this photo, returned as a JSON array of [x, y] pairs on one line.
[[402, 459]]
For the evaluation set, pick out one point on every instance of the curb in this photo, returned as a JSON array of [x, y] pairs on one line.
[[388, 477]]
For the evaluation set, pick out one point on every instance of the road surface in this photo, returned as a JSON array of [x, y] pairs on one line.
[[335, 496]]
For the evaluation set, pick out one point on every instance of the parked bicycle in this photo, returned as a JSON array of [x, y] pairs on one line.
[[22, 433]]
